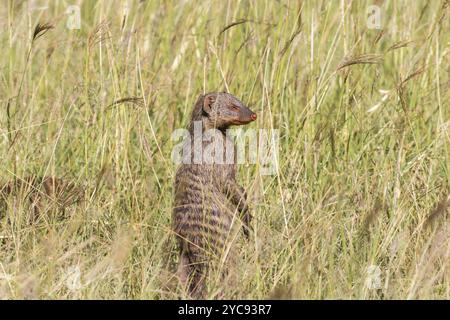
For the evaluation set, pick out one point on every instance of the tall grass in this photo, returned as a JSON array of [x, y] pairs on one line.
[[358, 209]]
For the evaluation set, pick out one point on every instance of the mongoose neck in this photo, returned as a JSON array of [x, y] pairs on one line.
[[205, 125]]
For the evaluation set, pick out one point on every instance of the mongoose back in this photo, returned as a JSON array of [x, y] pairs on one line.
[[37, 189], [208, 201]]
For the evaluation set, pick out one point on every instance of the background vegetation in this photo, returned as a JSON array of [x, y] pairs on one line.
[[358, 209]]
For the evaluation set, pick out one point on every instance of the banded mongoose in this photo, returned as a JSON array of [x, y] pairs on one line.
[[209, 204], [37, 189]]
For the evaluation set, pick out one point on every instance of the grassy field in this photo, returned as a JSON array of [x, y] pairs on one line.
[[358, 208]]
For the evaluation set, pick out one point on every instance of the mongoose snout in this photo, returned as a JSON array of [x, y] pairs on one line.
[[222, 110], [210, 207], [243, 115]]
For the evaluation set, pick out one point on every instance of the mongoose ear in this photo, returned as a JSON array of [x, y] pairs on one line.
[[208, 102]]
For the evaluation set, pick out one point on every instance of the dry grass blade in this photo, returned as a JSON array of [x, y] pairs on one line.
[[288, 43], [413, 74], [41, 29], [298, 30], [398, 45], [233, 24], [379, 36], [134, 100], [360, 59], [98, 34], [247, 40]]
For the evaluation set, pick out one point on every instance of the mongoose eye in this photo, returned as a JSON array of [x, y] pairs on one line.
[[234, 108]]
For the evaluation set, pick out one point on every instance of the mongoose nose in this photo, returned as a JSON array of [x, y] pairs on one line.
[[253, 116]]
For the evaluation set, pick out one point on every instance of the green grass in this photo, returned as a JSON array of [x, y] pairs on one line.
[[355, 188]]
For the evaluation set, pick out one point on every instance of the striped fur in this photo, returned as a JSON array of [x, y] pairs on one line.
[[208, 201], [37, 190]]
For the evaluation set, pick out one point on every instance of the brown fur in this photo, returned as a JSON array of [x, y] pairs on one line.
[[207, 196], [38, 189]]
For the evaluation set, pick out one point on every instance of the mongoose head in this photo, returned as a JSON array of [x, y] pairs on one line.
[[221, 110]]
